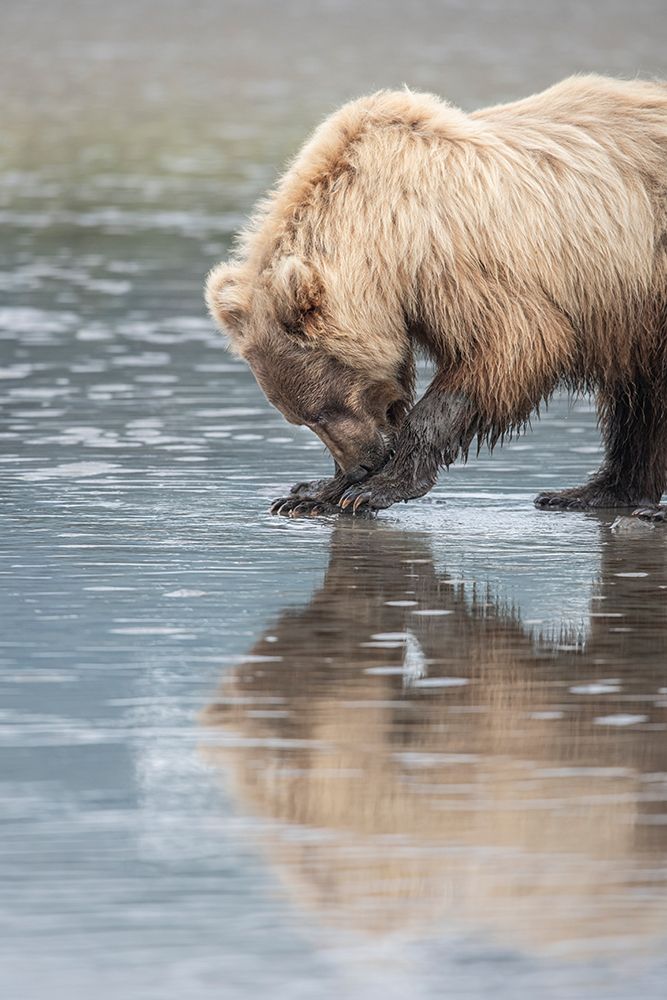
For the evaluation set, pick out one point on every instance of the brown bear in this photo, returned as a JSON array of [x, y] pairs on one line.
[[522, 248]]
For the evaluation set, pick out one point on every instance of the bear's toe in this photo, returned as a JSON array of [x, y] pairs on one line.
[[654, 514], [559, 501], [280, 502], [294, 506], [369, 498], [356, 498]]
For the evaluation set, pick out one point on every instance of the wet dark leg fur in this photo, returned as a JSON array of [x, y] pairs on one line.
[[439, 428], [633, 419]]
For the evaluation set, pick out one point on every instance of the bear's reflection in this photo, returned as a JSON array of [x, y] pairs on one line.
[[449, 770]]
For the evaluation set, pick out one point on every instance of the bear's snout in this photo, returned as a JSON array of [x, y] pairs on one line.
[[358, 448]]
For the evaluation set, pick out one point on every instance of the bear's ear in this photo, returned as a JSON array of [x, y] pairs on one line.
[[228, 298], [298, 290]]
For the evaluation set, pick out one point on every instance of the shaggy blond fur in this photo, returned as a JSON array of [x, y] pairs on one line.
[[522, 246]]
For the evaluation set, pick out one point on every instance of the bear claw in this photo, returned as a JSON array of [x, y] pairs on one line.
[[354, 499], [294, 506], [278, 504], [651, 513], [369, 499]]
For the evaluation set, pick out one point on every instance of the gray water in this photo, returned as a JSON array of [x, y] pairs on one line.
[[423, 755]]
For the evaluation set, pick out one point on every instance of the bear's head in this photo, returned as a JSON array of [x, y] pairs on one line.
[[316, 375]]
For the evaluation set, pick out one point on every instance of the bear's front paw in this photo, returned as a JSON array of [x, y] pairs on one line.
[[380, 492], [310, 499], [295, 506]]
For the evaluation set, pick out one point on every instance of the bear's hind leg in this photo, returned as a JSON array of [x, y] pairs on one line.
[[633, 419]]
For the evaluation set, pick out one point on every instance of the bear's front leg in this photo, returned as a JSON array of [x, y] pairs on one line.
[[441, 425]]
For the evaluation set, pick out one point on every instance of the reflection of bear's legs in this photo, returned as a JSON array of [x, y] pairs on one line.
[[634, 473]]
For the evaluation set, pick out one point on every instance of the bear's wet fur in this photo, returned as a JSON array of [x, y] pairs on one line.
[[522, 248]]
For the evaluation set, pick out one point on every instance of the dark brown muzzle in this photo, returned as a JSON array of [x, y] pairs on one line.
[[357, 454]]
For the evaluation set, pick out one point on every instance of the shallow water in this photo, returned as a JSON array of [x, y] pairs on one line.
[[420, 755]]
